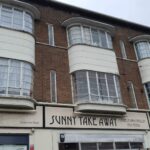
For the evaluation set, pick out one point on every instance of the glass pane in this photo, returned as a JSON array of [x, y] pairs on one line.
[[143, 49], [80, 86], [103, 39], [68, 146], [53, 86], [102, 86], [111, 85], [109, 41], [93, 86], [88, 146], [147, 86], [136, 145], [75, 35], [50, 34], [95, 37], [18, 19], [87, 35], [106, 146], [28, 23], [6, 16], [122, 145]]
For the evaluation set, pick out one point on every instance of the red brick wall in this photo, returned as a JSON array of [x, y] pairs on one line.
[[56, 58]]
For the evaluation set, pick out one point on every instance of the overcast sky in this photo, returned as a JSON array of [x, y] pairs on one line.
[[132, 10]]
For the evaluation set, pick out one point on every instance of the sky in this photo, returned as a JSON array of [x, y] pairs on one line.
[[137, 11]]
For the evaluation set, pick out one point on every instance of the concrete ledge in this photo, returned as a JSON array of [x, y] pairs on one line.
[[104, 108], [17, 102]]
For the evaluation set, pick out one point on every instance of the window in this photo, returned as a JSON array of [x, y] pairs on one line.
[[15, 18], [101, 146], [90, 36], [51, 35], [15, 78], [90, 86], [132, 94], [142, 49], [53, 87], [123, 50], [147, 87]]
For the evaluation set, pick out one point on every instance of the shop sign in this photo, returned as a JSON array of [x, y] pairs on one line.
[[58, 117], [22, 119]]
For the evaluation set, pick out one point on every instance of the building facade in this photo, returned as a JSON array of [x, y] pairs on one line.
[[72, 79]]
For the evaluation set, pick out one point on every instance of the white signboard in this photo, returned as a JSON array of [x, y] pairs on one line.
[[20, 119], [58, 117]]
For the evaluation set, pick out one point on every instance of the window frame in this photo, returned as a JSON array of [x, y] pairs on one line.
[[22, 81], [51, 36], [24, 12], [136, 52], [109, 99], [123, 49], [55, 86], [91, 44]]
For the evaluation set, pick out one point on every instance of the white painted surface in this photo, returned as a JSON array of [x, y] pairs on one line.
[[83, 57], [17, 45], [144, 67], [41, 139]]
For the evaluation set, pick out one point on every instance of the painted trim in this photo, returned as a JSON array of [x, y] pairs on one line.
[[35, 12], [81, 20]]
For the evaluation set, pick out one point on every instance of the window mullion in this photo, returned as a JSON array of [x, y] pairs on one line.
[[0, 14], [117, 94], [88, 83], [107, 87], [82, 34], [23, 27], [98, 88], [97, 145], [79, 144], [107, 40], [8, 73], [21, 78], [91, 35], [12, 17]]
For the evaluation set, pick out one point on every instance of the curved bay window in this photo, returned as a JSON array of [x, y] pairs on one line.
[[142, 49], [15, 78], [15, 18], [96, 87], [90, 36]]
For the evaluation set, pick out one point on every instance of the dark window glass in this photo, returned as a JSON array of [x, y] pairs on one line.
[[105, 146], [136, 145], [122, 145]]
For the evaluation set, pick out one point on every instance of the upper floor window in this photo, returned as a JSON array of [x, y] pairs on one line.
[[147, 87], [90, 86], [16, 18], [142, 49], [15, 78], [123, 50], [53, 86], [51, 35], [90, 36]]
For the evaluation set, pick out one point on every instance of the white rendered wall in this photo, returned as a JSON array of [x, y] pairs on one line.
[[144, 67], [83, 57], [17, 45]]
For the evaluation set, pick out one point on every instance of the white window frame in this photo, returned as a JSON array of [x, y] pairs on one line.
[[90, 28], [134, 45], [51, 38], [53, 86], [23, 28], [109, 100], [21, 87], [123, 49], [131, 87], [145, 90]]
